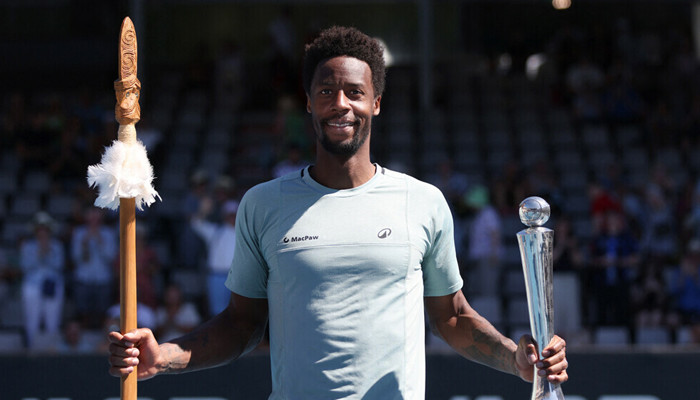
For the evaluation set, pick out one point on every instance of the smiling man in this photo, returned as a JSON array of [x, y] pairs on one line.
[[342, 258]]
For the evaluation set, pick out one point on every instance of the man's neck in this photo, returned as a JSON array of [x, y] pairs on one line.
[[339, 173]]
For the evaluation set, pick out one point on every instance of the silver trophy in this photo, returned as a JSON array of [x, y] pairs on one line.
[[536, 244]]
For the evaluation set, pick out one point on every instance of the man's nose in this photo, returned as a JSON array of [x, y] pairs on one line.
[[340, 102]]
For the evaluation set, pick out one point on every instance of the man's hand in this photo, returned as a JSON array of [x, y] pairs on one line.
[[553, 365], [136, 348]]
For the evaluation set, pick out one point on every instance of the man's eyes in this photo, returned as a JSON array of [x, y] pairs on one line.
[[351, 92]]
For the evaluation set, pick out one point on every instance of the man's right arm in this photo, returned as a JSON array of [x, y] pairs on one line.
[[230, 334]]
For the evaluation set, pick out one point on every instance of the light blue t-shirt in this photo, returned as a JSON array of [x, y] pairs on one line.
[[345, 272]]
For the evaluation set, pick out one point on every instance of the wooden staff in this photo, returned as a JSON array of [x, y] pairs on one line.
[[127, 283], [124, 179], [127, 112]]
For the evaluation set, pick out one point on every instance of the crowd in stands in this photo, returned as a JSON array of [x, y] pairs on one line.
[[636, 265]]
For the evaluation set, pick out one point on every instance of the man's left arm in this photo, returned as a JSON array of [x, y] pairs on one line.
[[472, 336]]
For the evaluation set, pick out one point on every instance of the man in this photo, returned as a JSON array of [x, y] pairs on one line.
[[341, 256]]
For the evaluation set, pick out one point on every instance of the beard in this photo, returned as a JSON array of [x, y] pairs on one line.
[[345, 149]]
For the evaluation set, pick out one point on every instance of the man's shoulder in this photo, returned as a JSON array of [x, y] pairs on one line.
[[412, 183], [273, 185], [265, 195]]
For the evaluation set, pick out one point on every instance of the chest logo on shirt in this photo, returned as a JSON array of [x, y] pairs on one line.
[[294, 239], [384, 233]]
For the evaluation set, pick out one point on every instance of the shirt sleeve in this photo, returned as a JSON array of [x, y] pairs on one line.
[[441, 274], [249, 271]]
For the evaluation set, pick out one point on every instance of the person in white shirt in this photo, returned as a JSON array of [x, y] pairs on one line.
[[220, 240]]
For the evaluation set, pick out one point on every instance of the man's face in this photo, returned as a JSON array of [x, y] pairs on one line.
[[342, 103]]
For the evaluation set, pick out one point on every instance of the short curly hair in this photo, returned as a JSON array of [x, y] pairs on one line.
[[345, 41]]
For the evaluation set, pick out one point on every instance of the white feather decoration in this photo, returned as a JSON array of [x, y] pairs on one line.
[[124, 172]]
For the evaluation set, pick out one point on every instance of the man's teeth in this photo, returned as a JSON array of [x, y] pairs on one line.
[[340, 124]]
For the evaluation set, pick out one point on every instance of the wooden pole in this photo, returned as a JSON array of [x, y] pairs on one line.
[[127, 283], [124, 178], [127, 112]]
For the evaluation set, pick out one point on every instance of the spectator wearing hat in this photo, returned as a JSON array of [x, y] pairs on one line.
[[42, 259], [220, 240]]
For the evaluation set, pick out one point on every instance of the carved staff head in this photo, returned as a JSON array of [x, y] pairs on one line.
[[127, 88]]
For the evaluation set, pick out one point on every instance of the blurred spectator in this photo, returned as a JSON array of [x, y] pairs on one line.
[[145, 316], [691, 221], [91, 116], [229, 68], [615, 258], [224, 190], [542, 180], [191, 249], [36, 144], [509, 188], [68, 164], [584, 75], [659, 238], [293, 161], [94, 248], [450, 181], [688, 287], [42, 259], [9, 274], [73, 340], [621, 101], [175, 316], [603, 202], [650, 299], [587, 106], [454, 184], [290, 123], [584, 80], [567, 260], [485, 249], [220, 238]]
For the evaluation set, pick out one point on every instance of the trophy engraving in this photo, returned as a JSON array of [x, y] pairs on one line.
[[536, 246]]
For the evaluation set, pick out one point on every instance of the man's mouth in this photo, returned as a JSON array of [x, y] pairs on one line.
[[340, 124]]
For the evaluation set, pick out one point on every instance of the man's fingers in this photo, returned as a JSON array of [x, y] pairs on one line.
[[123, 354], [558, 378], [128, 339], [532, 356], [122, 365], [528, 343], [555, 346], [120, 372], [119, 349], [115, 337], [554, 368]]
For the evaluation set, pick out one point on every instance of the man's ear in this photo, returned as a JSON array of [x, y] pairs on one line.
[[377, 107], [308, 104]]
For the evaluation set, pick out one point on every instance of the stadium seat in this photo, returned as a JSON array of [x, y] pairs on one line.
[[652, 336], [611, 336], [11, 341], [36, 182]]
